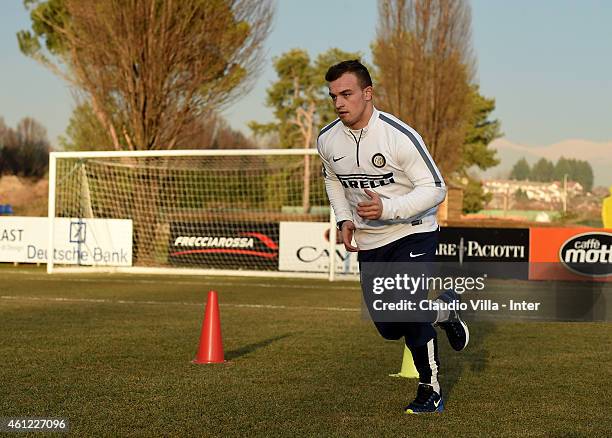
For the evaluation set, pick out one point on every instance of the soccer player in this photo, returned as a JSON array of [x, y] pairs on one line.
[[385, 189]]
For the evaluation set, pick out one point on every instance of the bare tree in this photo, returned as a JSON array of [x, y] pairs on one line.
[[24, 151], [425, 66], [3, 131], [151, 68], [213, 132], [30, 131]]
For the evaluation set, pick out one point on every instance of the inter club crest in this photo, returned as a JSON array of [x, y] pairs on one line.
[[378, 160]]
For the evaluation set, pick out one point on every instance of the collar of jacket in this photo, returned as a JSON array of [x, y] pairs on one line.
[[363, 131]]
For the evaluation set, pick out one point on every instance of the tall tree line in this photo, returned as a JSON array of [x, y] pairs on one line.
[[423, 73], [546, 171], [149, 74]]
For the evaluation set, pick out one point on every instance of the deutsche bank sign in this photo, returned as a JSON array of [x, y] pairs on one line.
[[89, 242]]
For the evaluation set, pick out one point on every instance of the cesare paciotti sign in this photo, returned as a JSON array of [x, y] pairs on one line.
[[460, 244], [498, 252]]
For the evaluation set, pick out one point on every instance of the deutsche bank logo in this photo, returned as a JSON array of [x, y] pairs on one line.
[[77, 232]]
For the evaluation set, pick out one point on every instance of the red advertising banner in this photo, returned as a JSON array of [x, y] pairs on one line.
[[583, 254]]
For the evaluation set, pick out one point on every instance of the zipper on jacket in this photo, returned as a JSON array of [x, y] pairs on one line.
[[357, 141]]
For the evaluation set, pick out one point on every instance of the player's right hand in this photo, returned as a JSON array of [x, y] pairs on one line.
[[348, 228]]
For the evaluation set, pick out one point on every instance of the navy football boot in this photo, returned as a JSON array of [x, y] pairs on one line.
[[426, 401], [456, 330]]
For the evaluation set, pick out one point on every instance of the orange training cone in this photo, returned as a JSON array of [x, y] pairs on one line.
[[211, 344]]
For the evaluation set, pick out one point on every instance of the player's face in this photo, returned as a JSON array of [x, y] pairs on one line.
[[351, 102]]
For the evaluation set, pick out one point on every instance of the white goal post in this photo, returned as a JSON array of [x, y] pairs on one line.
[[251, 212]]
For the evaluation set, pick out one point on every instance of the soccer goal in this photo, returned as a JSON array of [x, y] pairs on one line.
[[220, 212]]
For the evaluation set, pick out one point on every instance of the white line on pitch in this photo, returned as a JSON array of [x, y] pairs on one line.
[[198, 283], [175, 303]]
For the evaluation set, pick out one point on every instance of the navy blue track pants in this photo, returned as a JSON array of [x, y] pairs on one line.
[[416, 334]]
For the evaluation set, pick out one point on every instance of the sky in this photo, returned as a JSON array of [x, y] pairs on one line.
[[547, 63]]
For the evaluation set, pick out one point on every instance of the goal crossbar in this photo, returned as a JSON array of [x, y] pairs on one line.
[[182, 153]]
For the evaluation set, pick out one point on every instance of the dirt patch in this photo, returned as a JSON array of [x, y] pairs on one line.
[[28, 198]]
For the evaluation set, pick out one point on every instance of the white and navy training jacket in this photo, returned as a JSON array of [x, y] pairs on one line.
[[390, 158]]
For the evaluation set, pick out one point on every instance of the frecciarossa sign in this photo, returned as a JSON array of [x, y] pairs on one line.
[[244, 245]]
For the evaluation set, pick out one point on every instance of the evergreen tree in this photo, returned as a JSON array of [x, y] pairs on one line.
[[300, 97], [562, 167], [521, 170], [543, 170], [474, 198], [584, 175]]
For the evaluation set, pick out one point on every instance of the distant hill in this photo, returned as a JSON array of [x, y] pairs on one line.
[[599, 155]]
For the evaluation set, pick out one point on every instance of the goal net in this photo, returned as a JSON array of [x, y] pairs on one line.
[[198, 211]]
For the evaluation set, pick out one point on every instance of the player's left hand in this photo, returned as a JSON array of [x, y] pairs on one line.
[[371, 209]]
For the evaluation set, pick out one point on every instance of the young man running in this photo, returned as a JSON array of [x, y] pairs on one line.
[[385, 189]]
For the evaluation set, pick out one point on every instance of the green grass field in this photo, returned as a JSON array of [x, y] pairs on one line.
[[112, 354]]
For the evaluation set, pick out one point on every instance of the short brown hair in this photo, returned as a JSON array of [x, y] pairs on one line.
[[350, 66]]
